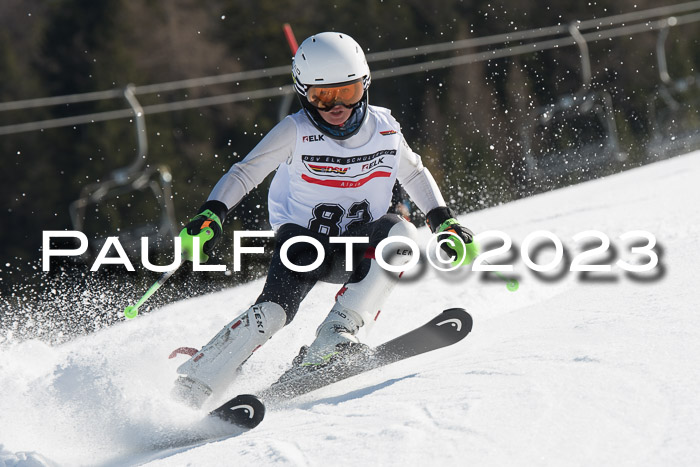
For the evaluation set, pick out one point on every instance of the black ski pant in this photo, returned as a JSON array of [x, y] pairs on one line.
[[288, 288]]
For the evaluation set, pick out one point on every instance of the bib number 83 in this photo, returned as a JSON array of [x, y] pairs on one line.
[[328, 218]]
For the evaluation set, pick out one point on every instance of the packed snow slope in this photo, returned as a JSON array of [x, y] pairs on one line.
[[572, 369]]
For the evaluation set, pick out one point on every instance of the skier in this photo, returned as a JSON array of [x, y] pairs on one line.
[[337, 160]]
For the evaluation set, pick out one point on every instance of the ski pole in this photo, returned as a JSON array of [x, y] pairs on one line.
[[205, 234], [511, 284], [132, 311]]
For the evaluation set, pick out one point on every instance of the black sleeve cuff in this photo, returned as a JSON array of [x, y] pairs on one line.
[[217, 207], [437, 216]]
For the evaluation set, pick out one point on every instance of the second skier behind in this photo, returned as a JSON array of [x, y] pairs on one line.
[[336, 160]]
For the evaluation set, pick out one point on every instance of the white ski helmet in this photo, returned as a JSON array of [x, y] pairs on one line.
[[330, 69]]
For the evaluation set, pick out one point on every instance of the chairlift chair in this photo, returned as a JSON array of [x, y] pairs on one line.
[[129, 195], [575, 134], [673, 111]]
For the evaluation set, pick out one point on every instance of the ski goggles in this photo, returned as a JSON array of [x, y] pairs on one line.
[[345, 94]]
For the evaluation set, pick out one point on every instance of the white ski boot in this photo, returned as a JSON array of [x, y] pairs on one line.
[[337, 331], [358, 304], [213, 368]]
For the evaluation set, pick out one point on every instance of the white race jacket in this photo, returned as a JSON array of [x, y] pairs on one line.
[[326, 184]]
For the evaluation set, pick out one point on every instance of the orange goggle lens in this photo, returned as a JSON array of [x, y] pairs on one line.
[[327, 97]]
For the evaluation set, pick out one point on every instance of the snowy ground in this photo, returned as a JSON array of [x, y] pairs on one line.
[[568, 370]]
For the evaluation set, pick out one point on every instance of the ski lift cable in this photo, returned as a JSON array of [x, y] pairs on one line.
[[282, 90], [531, 47], [642, 27], [377, 56], [145, 89], [534, 33], [471, 58], [147, 110]]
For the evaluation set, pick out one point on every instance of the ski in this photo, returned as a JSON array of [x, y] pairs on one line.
[[245, 411], [447, 328]]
